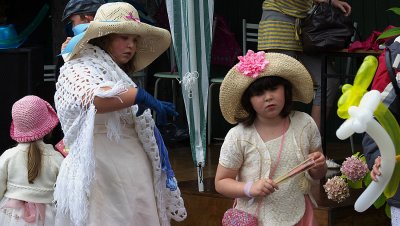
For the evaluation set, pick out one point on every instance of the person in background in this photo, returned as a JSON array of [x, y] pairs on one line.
[[372, 153], [278, 33], [78, 12], [269, 140], [29, 170], [114, 172]]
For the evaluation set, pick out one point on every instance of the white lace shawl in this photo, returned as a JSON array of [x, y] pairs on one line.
[[80, 81]]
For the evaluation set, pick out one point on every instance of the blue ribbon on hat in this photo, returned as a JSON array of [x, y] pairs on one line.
[[79, 31], [165, 164]]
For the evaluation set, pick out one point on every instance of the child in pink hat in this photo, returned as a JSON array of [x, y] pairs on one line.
[[29, 170]]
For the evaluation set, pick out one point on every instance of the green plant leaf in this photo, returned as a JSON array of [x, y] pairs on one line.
[[380, 201], [387, 211], [396, 10], [390, 33], [367, 179], [355, 185]]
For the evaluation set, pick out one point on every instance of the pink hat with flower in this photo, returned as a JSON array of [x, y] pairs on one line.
[[256, 65], [32, 119]]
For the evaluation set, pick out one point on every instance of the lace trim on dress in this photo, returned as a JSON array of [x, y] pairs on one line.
[[169, 203]]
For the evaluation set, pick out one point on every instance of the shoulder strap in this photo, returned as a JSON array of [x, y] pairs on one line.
[[392, 75]]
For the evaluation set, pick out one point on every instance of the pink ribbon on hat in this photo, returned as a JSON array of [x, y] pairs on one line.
[[131, 17], [29, 209]]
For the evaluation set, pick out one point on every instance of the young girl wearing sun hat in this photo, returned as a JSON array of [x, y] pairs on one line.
[[29, 170], [114, 174], [269, 140]]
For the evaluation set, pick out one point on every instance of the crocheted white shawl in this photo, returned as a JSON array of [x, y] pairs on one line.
[[80, 81]]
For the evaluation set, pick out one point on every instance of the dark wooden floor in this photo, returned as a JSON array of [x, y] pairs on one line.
[[207, 208]]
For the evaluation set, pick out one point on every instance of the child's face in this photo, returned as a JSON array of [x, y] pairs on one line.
[[122, 47], [80, 19], [269, 103]]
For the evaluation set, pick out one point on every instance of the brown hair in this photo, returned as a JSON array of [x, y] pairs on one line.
[[34, 161], [104, 43]]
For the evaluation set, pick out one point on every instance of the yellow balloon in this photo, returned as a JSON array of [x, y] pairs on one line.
[[352, 94]]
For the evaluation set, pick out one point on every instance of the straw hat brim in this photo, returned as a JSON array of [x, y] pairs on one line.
[[151, 43], [235, 83]]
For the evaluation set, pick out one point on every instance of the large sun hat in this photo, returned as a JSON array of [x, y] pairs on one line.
[[123, 18], [254, 66]]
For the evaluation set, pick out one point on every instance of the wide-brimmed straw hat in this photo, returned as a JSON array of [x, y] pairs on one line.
[[32, 119], [257, 65], [123, 18]]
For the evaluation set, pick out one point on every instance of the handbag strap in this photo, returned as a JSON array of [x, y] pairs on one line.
[[274, 167], [280, 151]]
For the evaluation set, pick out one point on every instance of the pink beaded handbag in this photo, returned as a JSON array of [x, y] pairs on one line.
[[236, 217]]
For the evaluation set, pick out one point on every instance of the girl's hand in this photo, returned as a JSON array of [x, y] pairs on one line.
[[65, 43], [319, 159], [320, 168], [263, 188], [375, 169], [344, 6]]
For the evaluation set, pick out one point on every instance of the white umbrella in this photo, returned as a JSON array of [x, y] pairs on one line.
[[191, 27]]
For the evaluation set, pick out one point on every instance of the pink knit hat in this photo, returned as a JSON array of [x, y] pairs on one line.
[[32, 119]]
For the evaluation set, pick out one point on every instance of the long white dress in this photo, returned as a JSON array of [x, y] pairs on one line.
[[112, 174], [12, 213], [122, 192]]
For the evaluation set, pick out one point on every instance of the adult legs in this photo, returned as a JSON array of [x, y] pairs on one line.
[[313, 65]]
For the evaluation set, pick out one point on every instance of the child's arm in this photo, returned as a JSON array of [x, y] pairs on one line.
[[227, 185], [320, 168]]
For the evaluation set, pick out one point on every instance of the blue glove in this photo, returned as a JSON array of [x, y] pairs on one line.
[[161, 107]]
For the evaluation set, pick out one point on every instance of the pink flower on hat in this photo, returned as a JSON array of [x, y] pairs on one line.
[[252, 63]]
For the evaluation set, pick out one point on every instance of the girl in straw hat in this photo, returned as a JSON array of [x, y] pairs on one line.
[[29, 170], [270, 140], [114, 174]]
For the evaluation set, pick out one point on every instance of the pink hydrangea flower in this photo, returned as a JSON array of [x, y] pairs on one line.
[[252, 64], [337, 189], [354, 168]]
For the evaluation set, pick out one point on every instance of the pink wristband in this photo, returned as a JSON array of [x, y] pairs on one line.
[[246, 189]]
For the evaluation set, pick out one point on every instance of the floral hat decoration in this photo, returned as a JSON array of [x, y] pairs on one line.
[[123, 18], [253, 66]]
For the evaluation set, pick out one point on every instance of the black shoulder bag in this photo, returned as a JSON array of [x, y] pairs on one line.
[[326, 28]]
